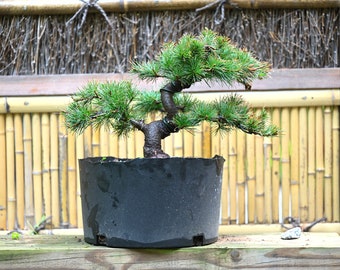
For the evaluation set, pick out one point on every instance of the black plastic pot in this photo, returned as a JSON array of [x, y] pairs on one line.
[[151, 203]]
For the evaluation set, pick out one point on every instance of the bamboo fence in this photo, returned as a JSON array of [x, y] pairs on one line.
[[265, 179]]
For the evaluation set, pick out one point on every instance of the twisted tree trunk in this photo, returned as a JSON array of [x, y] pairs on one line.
[[156, 131]]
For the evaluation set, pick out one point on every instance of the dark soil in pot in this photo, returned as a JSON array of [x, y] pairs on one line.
[[151, 203]]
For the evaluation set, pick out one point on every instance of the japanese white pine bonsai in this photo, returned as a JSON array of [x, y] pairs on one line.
[[121, 107]]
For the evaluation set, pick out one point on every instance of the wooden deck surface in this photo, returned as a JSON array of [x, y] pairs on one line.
[[260, 251]]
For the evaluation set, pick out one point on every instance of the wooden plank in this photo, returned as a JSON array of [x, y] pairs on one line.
[[258, 99], [233, 251], [280, 79]]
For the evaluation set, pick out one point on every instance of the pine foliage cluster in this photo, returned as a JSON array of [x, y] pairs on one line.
[[208, 57]]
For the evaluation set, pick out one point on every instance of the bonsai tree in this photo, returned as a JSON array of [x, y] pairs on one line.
[[121, 107]]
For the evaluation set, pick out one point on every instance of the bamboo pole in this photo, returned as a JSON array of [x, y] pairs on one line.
[[328, 194], [95, 143], [178, 144], [19, 171], [198, 136], [37, 172], [215, 145], [46, 180], [320, 168], [72, 179], [259, 184], [29, 204], [55, 201], [206, 140], [131, 145], [294, 161], [139, 136], [80, 155], [3, 174], [10, 168], [303, 158], [122, 147], [276, 166], [311, 164], [241, 176], [268, 190], [250, 141], [88, 142], [335, 165], [285, 162], [225, 181], [277, 99], [188, 144], [63, 171], [113, 147], [104, 142], [232, 156], [43, 7]]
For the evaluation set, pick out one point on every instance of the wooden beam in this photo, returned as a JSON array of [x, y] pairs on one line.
[[319, 250], [43, 7], [256, 99], [280, 79]]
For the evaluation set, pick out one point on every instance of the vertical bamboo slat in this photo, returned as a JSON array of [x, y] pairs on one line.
[[88, 142], [232, 156], [19, 171], [198, 136], [3, 176], [335, 164], [188, 144], [285, 164], [113, 147], [206, 140], [139, 146], [303, 158], [131, 146], [268, 213], [328, 164], [250, 161], [178, 144], [320, 169], [259, 184], [11, 198], [241, 177], [55, 201], [46, 176], [72, 179], [63, 171], [29, 204], [37, 174], [225, 181], [95, 143], [294, 161], [276, 167], [215, 145], [122, 146], [104, 142], [311, 165], [80, 153]]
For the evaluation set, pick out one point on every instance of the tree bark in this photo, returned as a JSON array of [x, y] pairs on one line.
[[154, 133]]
